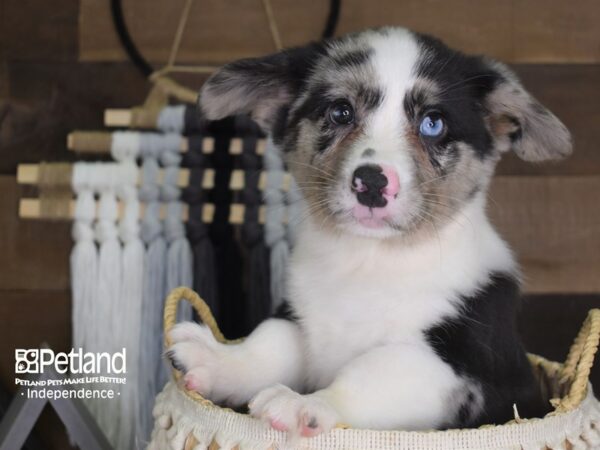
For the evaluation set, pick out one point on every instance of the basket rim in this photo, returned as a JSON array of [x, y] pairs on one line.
[[550, 367], [589, 402], [574, 373]]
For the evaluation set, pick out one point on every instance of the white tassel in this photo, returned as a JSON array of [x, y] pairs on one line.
[[127, 313], [128, 320], [125, 145], [83, 256], [295, 210], [172, 119], [274, 225], [154, 292], [179, 256], [84, 262], [108, 292]]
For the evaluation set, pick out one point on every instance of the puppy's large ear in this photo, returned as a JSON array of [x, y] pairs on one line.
[[519, 122], [258, 86]]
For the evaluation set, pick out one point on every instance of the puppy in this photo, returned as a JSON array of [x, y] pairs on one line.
[[402, 296]]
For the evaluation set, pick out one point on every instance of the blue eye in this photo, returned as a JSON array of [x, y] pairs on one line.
[[431, 126]]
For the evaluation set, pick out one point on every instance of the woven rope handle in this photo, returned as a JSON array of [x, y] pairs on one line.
[[187, 294], [580, 360]]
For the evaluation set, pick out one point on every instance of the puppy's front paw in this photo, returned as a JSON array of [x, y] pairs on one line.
[[286, 410], [196, 353]]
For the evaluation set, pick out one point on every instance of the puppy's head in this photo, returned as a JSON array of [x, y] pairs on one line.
[[387, 132]]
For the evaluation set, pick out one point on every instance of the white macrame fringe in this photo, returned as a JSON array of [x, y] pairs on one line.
[[179, 254], [275, 231], [178, 419], [83, 262], [108, 290], [154, 293], [172, 119], [128, 319]]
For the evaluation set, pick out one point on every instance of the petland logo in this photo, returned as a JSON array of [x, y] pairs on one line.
[[34, 361]]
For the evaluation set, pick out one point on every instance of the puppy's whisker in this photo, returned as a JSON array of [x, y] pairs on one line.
[[431, 221], [318, 169], [312, 208], [453, 215], [463, 82]]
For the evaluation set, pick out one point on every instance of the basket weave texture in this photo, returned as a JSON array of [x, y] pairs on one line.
[[184, 420]]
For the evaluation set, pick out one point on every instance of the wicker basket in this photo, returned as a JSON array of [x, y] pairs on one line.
[[186, 421]]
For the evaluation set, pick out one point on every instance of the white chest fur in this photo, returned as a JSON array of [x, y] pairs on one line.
[[354, 293]]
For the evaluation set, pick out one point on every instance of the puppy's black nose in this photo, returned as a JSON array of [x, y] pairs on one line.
[[368, 182]]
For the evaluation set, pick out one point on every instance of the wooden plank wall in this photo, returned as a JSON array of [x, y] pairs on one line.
[[61, 66], [519, 31]]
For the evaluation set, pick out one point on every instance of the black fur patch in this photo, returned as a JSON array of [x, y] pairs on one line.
[[288, 68], [280, 124], [482, 345], [313, 106], [518, 133], [463, 82], [351, 59], [325, 140], [285, 312], [370, 98]]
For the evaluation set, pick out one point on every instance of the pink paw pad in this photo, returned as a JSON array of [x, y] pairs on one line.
[[310, 427], [278, 425], [191, 384]]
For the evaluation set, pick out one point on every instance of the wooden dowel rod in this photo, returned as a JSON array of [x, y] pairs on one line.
[[101, 141], [118, 118], [30, 173], [30, 208]]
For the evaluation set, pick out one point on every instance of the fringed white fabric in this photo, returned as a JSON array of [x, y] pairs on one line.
[[128, 320], [172, 119], [295, 208], [179, 255], [84, 262], [154, 293], [83, 257], [275, 231], [178, 419], [108, 287], [180, 258], [125, 145], [127, 311]]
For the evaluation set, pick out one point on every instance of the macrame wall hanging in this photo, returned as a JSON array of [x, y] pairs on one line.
[[185, 202]]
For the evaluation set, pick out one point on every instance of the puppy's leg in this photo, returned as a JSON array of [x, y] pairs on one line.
[[391, 387], [234, 373]]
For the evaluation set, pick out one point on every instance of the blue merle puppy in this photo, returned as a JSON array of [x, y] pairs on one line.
[[402, 296]]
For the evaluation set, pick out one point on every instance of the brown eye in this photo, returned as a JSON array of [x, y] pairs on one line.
[[341, 113]]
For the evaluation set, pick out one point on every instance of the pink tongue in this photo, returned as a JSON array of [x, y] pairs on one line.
[[371, 218]]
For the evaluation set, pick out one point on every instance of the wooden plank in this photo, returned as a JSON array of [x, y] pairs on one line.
[[47, 101], [549, 323], [555, 31], [36, 316], [33, 255], [40, 30], [572, 92], [515, 31], [553, 225], [32, 317], [215, 33]]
